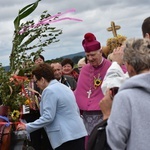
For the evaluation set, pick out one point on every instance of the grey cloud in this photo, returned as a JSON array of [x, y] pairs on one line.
[[96, 16]]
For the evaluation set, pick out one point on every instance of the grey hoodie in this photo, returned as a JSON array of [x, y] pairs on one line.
[[129, 123]]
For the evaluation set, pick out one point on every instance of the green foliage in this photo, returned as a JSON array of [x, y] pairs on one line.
[[25, 46], [24, 12], [10, 89], [31, 39], [54, 60]]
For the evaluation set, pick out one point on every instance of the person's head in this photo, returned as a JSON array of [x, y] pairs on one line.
[[92, 49], [67, 66], [137, 56], [38, 59], [81, 63], [57, 68], [146, 28], [42, 75]]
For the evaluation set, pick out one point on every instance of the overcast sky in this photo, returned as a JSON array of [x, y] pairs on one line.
[[96, 15]]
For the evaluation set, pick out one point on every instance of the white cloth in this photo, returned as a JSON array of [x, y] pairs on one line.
[[114, 77]]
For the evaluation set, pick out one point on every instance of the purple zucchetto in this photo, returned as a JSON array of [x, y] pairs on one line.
[[90, 43]]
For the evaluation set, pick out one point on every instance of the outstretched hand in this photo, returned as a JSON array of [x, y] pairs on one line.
[[21, 126], [117, 55]]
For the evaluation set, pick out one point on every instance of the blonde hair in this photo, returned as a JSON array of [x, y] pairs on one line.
[[81, 61]]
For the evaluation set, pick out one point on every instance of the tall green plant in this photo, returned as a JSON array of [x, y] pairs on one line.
[[25, 45], [31, 39]]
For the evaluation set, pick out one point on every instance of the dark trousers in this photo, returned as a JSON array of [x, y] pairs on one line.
[[77, 144], [39, 138]]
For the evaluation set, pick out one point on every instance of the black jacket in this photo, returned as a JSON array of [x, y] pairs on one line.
[[98, 139], [69, 81]]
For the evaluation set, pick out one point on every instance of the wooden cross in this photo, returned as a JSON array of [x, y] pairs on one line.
[[114, 28], [89, 93]]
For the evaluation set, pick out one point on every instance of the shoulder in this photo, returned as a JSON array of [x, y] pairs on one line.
[[52, 86], [106, 61], [86, 67], [68, 77]]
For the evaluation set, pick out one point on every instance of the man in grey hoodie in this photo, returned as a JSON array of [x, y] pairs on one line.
[[129, 121]]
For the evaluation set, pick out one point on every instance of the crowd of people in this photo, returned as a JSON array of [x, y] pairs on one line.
[[73, 103]]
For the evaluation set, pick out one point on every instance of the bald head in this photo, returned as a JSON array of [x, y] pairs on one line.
[[57, 67]]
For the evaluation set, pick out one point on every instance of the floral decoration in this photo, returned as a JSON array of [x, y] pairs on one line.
[[12, 92], [115, 42], [97, 81], [14, 82]]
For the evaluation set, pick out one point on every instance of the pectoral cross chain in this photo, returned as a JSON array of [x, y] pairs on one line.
[[89, 93]]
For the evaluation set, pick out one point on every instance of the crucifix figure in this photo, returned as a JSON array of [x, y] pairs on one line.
[[89, 93], [113, 28]]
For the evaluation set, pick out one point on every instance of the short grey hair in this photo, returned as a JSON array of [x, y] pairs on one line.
[[137, 54]]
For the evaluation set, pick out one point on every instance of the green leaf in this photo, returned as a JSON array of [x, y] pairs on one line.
[[24, 12]]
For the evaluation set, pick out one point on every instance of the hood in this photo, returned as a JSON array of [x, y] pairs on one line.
[[141, 81]]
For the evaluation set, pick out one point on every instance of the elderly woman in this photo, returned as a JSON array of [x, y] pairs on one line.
[[59, 112], [129, 117], [81, 63]]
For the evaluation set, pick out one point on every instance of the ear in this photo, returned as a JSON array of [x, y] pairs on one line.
[[43, 80], [131, 70], [147, 36]]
